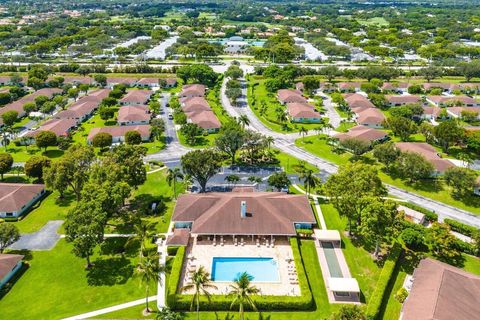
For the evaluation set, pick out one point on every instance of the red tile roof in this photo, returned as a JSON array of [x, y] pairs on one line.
[[302, 110], [356, 100], [61, 127], [426, 151], [370, 116], [14, 196], [444, 99], [193, 90], [289, 96], [362, 133], [404, 99], [136, 97], [8, 262], [133, 113], [205, 119]]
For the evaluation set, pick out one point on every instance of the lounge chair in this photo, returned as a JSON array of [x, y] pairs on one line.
[[258, 243]]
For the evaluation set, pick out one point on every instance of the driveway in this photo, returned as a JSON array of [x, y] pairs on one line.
[[44, 239]]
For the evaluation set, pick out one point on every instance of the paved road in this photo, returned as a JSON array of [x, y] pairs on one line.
[[332, 114], [286, 143], [43, 239]]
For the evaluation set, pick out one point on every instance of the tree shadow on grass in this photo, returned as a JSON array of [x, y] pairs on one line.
[[143, 204], [52, 154], [110, 271], [119, 245]]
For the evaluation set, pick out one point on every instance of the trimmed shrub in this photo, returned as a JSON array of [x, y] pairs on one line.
[[172, 250], [413, 238], [263, 303], [373, 307], [465, 247], [401, 295], [460, 227], [174, 278], [1, 221], [429, 215]]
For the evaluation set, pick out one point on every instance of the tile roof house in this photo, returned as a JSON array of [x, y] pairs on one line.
[[18, 105], [243, 213], [444, 101], [205, 119], [395, 101], [136, 97], [370, 117], [431, 113], [349, 86], [80, 110], [400, 87], [428, 152], [440, 85], [303, 113], [456, 112], [133, 115], [194, 104], [442, 292], [112, 81], [327, 87], [289, 96], [118, 132], [362, 133], [355, 100], [147, 83], [17, 198], [61, 127], [77, 80], [192, 90], [9, 265]]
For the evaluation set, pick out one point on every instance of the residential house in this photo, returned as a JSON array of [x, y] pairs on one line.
[[80, 110], [136, 97], [428, 152], [133, 115], [112, 81], [192, 90], [327, 87], [17, 198], [355, 100], [395, 101], [9, 265], [349, 86], [194, 104], [456, 112], [61, 127], [303, 113], [7, 81], [445, 101], [363, 133], [118, 132], [205, 119], [289, 96], [442, 292], [148, 83], [445, 87], [412, 215], [371, 117], [397, 87]]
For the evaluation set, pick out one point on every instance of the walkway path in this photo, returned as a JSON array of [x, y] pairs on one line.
[[332, 114], [111, 309], [44, 239]]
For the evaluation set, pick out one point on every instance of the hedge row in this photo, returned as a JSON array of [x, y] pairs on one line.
[[263, 302], [429, 215], [172, 250], [175, 274], [375, 303], [461, 227]]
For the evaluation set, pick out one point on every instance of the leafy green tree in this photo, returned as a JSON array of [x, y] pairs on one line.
[[330, 72], [430, 73], [34, 166], [173, 175], [40, 101], [56, 177], [462, 180], [279, 180], [414, 166], [102, 140], [200, 283], [157, 128], [133, 137], [476, 242], [191, 132], [230, 140], [243, 120], [130, 159], [201, 165], [469, 69], [402, 127], [349, 312], [442, 243], [310, 84], [84, 228], [352, 188], [149, 270], [101, 79], [356, 146], [5, 98], [45, 139], [6, 162], [9, 118], [447, 133], [234, 72], [9, 233], [386, 153], [380, 222], [29, 107], [242, 290], [106, 112]]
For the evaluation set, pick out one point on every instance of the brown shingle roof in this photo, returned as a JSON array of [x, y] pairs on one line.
[[404, 99], [8, 262], [442, 292], [428, 152], [370, 116], [179, 237], [61, 127], [205, 119], [268, 213], [133, 113], [136, 96], [14, 196], [193, 90], [362, 133], [289, 96], [356, 100], [302, 110], [443, 99]]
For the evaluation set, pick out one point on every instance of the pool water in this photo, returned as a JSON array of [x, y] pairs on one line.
[[261, 269], [332, 261]]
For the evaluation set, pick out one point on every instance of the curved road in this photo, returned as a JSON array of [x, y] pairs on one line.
[[286, 143]]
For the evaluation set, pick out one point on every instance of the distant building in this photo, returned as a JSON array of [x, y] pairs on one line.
[[118, 132], [236, 45]]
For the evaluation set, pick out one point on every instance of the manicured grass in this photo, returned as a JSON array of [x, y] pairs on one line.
[[378, 21], [288, 162], [81, 134], [56, 284], [433, 189], [345, 126], [22, 153]]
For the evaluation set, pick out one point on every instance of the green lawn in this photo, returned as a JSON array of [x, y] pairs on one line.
[[378, 21], [56, 284], [288, 162], [433, 189], [345, 126]]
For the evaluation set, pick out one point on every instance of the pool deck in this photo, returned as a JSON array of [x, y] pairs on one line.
[[204, 251]]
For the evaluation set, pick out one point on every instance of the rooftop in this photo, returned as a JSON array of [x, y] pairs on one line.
[[14, 196]]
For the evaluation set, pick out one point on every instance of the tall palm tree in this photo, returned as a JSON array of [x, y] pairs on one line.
[[242, 291], [172, 176], [243, 120], [309, 180], [143, 230], [200, 283], [149, 270], [303, 132], [269, 140]]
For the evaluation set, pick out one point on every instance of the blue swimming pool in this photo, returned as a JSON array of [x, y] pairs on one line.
[[261, 269]]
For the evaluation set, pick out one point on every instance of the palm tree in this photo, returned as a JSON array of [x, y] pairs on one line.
[[200, 283], [303, 132], [172, 176], [143, 231], [232, 178], [243, 120], [242, 290], [309, 180], [269, 141], [319, 129], [149, 270]]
